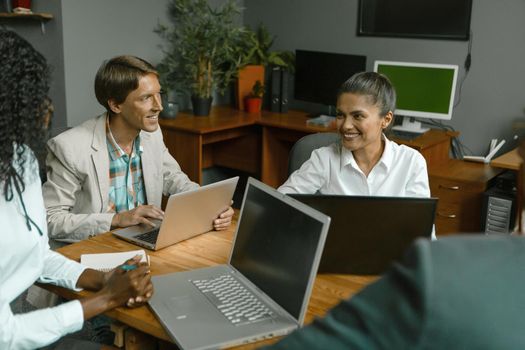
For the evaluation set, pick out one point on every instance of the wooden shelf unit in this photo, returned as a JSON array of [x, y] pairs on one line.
[[33, 15]]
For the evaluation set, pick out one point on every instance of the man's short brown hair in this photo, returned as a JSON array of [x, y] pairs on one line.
[[119, 76]]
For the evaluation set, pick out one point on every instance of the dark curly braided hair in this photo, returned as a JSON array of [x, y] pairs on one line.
[[24, 85]]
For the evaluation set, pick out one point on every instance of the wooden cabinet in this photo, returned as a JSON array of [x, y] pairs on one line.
[[434, 145], [459, 185]]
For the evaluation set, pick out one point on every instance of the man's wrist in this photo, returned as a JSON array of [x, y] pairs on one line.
[[115, 221]]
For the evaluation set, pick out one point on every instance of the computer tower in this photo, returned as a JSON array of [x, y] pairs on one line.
[[499, 205]]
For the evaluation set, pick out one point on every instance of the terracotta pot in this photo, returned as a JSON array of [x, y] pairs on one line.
[[247, 78], [253, 104]]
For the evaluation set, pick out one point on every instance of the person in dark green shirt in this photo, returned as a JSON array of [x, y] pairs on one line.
[[459, 292]]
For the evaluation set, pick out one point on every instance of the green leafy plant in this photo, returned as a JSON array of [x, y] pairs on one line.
[[200, 51], [257, 90], [254, 47]]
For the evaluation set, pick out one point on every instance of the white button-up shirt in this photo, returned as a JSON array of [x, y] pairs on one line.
[[401, 172], [25, 258]]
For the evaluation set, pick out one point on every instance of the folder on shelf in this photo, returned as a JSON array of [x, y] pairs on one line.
[[284, 91]]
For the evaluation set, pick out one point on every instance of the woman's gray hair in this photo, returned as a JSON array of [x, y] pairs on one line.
[[374, 85]]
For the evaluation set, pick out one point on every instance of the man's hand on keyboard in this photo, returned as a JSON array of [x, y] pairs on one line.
[[139, 215]]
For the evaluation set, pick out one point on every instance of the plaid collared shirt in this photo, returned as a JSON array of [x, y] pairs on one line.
[[126, 185]]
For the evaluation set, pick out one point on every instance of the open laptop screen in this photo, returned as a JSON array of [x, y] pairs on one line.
[[276, 246]]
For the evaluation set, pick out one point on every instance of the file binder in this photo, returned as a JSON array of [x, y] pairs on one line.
[[284, 91], [275, 105]]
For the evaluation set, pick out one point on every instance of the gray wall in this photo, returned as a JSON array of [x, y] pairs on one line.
[[80, 36], [84, 33], [96, 30], [493, 92], [51, 46]]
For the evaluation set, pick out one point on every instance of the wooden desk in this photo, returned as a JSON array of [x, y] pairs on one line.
[[259, 144], [513, 161], [256, 143], [205, 250]]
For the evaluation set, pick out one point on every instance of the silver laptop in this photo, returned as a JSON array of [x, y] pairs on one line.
[[264, 289], [187, 214]]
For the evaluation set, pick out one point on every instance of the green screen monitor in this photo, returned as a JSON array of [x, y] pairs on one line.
[[423, 90]]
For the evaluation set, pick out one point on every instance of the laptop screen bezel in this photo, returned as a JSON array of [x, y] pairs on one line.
[[325, 221]]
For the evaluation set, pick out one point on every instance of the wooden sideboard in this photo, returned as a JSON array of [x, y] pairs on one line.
[[459, 185], [259, 144]]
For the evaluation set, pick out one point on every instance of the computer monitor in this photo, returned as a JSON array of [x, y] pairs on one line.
[[319, 75], [423, 90]]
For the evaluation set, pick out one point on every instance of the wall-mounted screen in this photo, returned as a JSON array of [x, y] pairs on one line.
[[319, 75], [435, 19]]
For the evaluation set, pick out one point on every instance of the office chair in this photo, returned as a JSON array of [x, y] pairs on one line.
[[303, 148]]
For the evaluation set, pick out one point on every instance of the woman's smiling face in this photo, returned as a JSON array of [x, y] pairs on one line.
[[359, 122]]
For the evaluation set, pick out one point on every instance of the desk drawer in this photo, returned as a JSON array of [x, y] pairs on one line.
[[444, 186], [459, 206], [455, 218]]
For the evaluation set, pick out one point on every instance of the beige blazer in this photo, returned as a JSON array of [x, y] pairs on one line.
[[76, 193]]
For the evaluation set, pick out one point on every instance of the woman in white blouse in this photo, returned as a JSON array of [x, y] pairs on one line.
[[364, 162], [26, 257]]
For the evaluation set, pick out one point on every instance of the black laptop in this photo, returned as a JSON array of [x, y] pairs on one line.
[[368, 233]]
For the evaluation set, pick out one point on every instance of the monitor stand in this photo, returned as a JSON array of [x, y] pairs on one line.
[[410, 125]]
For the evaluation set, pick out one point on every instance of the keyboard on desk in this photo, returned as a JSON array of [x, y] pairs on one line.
[[404, 135], [233, 300], [150, 237]]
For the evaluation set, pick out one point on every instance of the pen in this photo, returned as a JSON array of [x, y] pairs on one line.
[[128, 267]]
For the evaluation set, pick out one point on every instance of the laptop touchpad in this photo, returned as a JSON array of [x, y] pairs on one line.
[[180, 306]]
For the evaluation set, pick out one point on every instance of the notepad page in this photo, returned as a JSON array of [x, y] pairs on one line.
[[108, 261]]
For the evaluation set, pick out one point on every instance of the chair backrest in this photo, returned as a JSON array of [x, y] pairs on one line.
[[303, 148]]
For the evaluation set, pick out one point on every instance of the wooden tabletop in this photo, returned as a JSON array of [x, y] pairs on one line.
[[225, 118], [208, 249], [510, 160]]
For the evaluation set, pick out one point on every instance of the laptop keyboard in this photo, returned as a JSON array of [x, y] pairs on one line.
[[150, 237], [233, 300]]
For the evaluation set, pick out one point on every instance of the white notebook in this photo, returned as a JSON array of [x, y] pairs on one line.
[[108, 261]]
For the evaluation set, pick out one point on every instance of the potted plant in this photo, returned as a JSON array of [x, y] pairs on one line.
[[200, 54], [254, 55], [253, 101]]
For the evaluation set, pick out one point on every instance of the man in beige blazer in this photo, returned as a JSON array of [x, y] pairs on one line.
[[78, 187]]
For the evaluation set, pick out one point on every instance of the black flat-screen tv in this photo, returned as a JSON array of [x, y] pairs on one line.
[[318, 75], [433, 19]]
